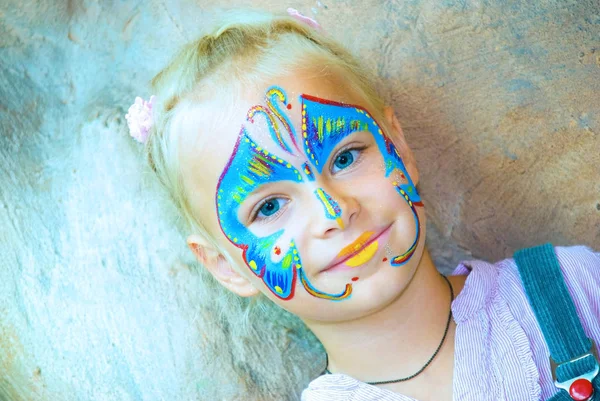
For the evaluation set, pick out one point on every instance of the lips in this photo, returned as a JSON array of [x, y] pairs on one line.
[[360, 251], [356, 246]]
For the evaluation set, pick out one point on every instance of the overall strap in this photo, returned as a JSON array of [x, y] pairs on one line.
[[573, 356]]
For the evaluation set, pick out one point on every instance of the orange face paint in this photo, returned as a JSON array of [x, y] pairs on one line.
[[364, 255], [356, 245]]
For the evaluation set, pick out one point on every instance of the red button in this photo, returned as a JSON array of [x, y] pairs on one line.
[[581, 390]]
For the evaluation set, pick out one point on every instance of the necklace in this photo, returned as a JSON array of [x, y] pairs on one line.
[[403, 379]]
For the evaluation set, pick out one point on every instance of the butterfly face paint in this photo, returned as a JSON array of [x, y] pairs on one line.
[[249, 167], [274, 114], [324, 125]]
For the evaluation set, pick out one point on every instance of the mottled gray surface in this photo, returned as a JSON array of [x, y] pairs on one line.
[[499, 99]]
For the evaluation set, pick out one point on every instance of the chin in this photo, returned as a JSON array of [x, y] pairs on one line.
[[369, 296], [384, 287], [387, 283], [378, 283]]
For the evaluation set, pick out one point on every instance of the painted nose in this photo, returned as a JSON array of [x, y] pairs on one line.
[[339, 212], [332, 208]]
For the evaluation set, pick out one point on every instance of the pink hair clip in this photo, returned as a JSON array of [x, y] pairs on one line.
[[304, 19], [139, 118]]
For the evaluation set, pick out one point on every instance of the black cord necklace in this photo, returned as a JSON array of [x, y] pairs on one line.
[[326, 371]]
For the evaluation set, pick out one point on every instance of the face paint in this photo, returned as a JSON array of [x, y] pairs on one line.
[[363, 256], [356, 245], [325, 123], [273, 114], [307, 170], [249, 167], [363, 249], [403, 258], [332, 209], [319, 294]]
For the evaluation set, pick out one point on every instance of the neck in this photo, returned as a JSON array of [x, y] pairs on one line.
[[397, 340]]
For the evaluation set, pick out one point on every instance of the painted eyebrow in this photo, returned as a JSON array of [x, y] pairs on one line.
[[257, 192]]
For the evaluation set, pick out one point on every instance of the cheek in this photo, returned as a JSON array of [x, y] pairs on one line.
[[381, 195], [281, 248], [373, 182]]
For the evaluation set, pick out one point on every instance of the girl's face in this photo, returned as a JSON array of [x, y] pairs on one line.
[[310, 193]]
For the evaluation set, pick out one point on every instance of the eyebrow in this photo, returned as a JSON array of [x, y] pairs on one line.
[[326, 123], [254, 167]]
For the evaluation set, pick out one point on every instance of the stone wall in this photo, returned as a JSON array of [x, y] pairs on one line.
[[99, 300]]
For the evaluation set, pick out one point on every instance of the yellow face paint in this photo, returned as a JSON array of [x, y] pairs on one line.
[[356, 245], [332, 209], [363, 256]]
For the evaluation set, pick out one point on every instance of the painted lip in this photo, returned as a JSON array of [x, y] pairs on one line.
[[356, 247]]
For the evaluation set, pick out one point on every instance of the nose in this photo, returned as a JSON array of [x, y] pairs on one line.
[[337, 212]]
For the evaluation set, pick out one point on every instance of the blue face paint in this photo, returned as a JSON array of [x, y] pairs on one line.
[[308, 171], [250, 167], [332, 209], [324, 125]]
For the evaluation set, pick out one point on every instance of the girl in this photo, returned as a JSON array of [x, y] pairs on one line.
[[298, 184]]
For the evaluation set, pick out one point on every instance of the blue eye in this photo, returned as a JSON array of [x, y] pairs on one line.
[[344, 159], [269, 208]]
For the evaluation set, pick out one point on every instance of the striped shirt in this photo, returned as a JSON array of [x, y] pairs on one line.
[[500, 353]]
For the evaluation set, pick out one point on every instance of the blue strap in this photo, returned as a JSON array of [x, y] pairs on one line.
[[556, 314]]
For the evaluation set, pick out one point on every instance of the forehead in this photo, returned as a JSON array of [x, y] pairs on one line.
[[211, 129]]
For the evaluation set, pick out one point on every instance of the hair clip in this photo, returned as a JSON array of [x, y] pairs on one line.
[[304, 19], [139, 118]]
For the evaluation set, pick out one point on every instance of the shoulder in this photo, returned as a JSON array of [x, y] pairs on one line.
[[488, 283], [330, 387], [497, 328], [578, 262], [580, 266], [339, 387]]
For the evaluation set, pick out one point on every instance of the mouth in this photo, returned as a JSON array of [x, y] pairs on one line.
[[359, 252]]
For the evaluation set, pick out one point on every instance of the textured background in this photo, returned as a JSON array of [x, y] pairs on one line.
[[98, 301]]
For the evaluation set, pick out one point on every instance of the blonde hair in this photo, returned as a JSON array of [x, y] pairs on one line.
[[247, 46]]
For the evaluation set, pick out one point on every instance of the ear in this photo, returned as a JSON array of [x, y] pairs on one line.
[[216, 263], [397, 136]]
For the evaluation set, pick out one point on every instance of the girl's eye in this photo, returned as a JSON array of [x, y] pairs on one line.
[[345, 159], [269, 208]]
